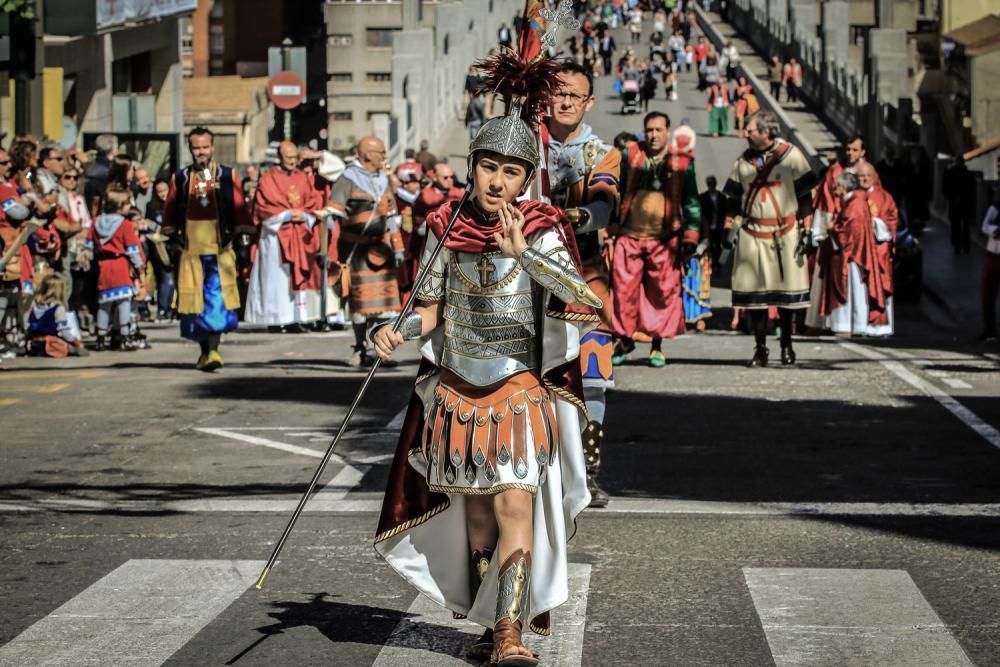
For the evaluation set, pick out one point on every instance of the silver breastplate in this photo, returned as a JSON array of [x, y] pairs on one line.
[[491, 312]]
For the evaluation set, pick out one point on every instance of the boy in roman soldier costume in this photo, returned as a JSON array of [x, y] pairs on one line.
[[489, 473]]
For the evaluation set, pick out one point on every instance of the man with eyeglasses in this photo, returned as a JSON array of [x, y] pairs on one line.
[[582, 178], [370, 243]]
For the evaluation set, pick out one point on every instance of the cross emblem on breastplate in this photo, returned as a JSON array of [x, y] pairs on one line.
[[485, 268]]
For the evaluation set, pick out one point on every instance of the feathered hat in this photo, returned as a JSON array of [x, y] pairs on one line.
[[527, 80]]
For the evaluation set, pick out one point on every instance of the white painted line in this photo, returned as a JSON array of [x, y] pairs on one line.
[[967, 416], [345, 481], [429, 636], [849, 618], [955, 383], [261, 442], [322, 502], [396, 423], [138, 615], [937, 374], [899, 354]]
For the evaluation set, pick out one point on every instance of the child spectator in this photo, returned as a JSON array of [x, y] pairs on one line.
[[116, 248], [51, 333]]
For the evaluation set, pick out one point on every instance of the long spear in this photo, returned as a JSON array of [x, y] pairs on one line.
[[418, 283]]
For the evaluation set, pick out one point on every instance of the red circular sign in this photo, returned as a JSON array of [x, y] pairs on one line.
[[287, 90]]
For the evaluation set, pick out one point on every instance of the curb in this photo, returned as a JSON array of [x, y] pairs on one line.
[[790, 130]]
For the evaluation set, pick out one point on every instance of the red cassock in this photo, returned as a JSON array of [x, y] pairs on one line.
[[279, 191], [852, 240], [114, 268], [882, 206]]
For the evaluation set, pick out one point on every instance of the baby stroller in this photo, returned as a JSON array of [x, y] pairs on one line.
[[630, 96]]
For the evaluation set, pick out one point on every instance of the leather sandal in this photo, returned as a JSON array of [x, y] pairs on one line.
[[507, 646]]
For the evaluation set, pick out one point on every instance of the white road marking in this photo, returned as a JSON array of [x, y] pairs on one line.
[[967, 416], [138, 615], [324, 503], [899, 354], [955, 383], [431, 637], [345, 481], [261, 442], [396, 423], [849, 618]]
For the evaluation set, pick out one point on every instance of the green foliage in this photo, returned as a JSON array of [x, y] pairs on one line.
[[23, 8]]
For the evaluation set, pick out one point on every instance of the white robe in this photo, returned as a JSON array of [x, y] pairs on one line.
[[270, 298]]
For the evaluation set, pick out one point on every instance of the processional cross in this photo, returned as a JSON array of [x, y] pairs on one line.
[[485, 268], [558, 18]]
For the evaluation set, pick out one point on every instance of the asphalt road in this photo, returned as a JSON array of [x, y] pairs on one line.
[[842, 512]]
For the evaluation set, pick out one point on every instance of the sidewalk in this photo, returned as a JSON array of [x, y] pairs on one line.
[[951, 283]]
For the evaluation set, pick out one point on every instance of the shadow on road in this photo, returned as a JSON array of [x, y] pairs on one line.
[[343, 623]]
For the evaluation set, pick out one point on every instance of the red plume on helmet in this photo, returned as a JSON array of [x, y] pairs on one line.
[[507, 75]]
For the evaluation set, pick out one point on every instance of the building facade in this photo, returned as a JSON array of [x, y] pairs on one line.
[[396, 68], [108, 66]]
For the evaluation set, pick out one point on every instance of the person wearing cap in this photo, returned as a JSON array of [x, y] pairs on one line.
[[490, 464]]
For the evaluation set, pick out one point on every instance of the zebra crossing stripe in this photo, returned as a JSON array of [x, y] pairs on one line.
[[138, 615], [429, 637], [849, 618]]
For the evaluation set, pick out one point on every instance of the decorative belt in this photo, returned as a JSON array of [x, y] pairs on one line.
[[783, 225]]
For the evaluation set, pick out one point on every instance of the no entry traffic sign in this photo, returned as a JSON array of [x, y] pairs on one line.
[[287, 90]]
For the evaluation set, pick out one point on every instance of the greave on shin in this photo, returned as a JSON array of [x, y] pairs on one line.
[[593, 434], [512, 588]]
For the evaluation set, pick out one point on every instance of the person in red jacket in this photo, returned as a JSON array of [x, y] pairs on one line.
[[17, 274], [116, 249]]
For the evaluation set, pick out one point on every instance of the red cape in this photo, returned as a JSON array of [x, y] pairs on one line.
[[881, 205], [279, 191], [855, 240]]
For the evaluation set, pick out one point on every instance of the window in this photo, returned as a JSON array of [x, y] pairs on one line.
[[379, 37], [341, 39], [372, 114], [341, 77], [217, 40], [341, 115], [379, 77], [446, 43], [133, 74]]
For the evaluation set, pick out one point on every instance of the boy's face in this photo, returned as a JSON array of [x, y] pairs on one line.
[[498, 180]]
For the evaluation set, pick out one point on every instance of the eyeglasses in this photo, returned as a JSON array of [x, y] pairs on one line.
[[573, 98], [69, 177]]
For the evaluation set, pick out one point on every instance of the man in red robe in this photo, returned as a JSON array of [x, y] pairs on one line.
[[285, 279], [854, 295], [826, 207], [885, 217]]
